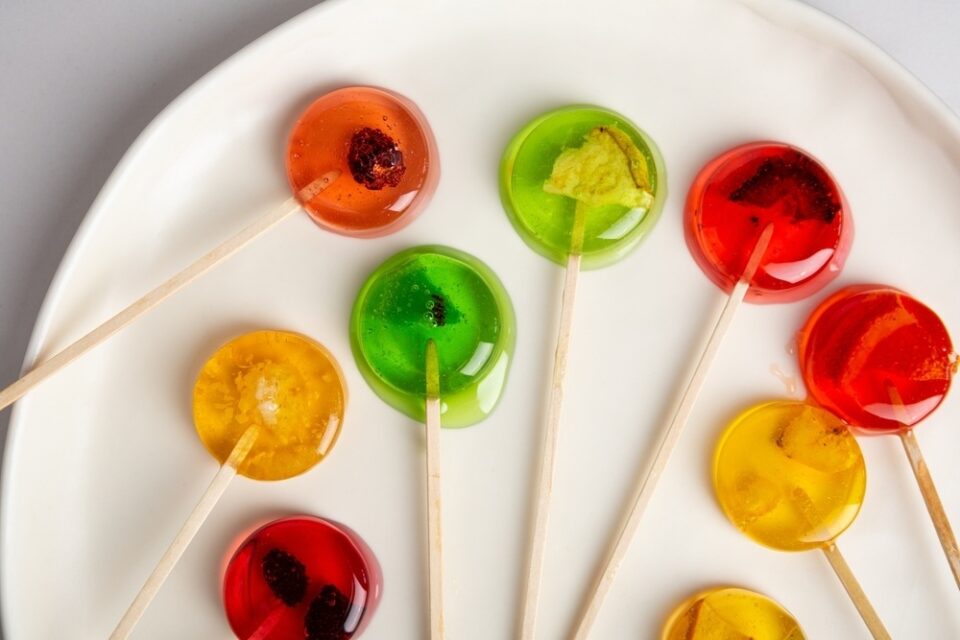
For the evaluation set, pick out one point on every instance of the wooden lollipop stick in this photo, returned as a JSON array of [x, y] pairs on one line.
[[434, 510], [681, 414], [541, 508], [932, 499], [186, 534], [928, 490], [61, 359], [855, 591]]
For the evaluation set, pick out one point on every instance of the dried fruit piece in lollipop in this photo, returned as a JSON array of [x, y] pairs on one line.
[[607, 169], [374, 159]]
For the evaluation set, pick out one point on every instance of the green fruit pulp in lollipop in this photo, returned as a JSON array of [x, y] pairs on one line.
[[582, 180], [452, 299]]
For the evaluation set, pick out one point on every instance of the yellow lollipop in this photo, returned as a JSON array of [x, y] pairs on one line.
[[283, 387], [731, 614], [791, 476], [268, 405]]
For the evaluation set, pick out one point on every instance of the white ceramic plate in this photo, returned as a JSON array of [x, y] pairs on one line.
[[103, 464]]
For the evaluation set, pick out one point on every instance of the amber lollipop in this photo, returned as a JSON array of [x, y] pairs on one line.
[[267, 405], [361, 162], [791, 476]]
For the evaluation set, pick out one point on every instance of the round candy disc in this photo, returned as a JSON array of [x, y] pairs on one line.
[[384, 151], [789, 475], [283, 384], [301, 578], [582, 161], [731, 614], [875, 356], [738, 194], [440, 294]]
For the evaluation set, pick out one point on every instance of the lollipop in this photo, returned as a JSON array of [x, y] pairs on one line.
[[766, 223], [361, 161], [582, 186], [301, 578], [791, 476], [433, 334], [731, 614], [883, 361], [267, 405]]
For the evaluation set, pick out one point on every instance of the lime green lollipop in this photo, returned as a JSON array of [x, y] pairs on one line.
[[582, 180], [582, 186], [445, 296]]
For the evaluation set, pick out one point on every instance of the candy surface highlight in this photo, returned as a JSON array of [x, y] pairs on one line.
[[731, 614], [440, 294], [301, 578], [286, 386], [877, 357], [789, 475], [739, 193], [582, 180], [384, 151]]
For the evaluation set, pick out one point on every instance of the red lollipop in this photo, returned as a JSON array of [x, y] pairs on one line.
[[883, 361], [767, 223], [301, 578], [739, 193]]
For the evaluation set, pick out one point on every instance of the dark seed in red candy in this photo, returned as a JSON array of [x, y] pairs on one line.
[[326, 616], [285, 575], [374, 159]]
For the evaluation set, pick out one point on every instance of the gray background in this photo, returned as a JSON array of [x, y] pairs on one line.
[[79, 79]]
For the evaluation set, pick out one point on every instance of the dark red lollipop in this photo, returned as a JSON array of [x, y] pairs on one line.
[[301, 578], [744, 190]]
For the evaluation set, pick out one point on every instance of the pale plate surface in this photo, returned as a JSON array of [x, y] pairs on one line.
[[104, 466]]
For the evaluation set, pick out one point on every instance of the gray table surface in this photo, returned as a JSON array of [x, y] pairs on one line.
[[80, 79]]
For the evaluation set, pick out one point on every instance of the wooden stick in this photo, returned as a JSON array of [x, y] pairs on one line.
[[434, 507], [928, 490], [932, 499], [544, 495], [855, 591], [186, 534], [57, 362], [668, 442]]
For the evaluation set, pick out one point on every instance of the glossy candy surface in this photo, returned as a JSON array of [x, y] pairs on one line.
[[587, 161], [731, 614], [385, 153], [283, 384], [877, 357], [440, 294], [789, 475], [739, 193], [301, 578]]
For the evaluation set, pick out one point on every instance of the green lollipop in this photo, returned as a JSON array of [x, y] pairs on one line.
[[433, 334], [582, 186], [442, 295]]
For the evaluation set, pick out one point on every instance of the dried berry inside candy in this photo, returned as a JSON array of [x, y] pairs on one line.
[[285, 575], [327, 616], [374, 159], [795, 182]]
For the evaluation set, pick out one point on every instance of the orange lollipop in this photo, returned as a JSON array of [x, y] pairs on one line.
[[383, 149], [361, 161]]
